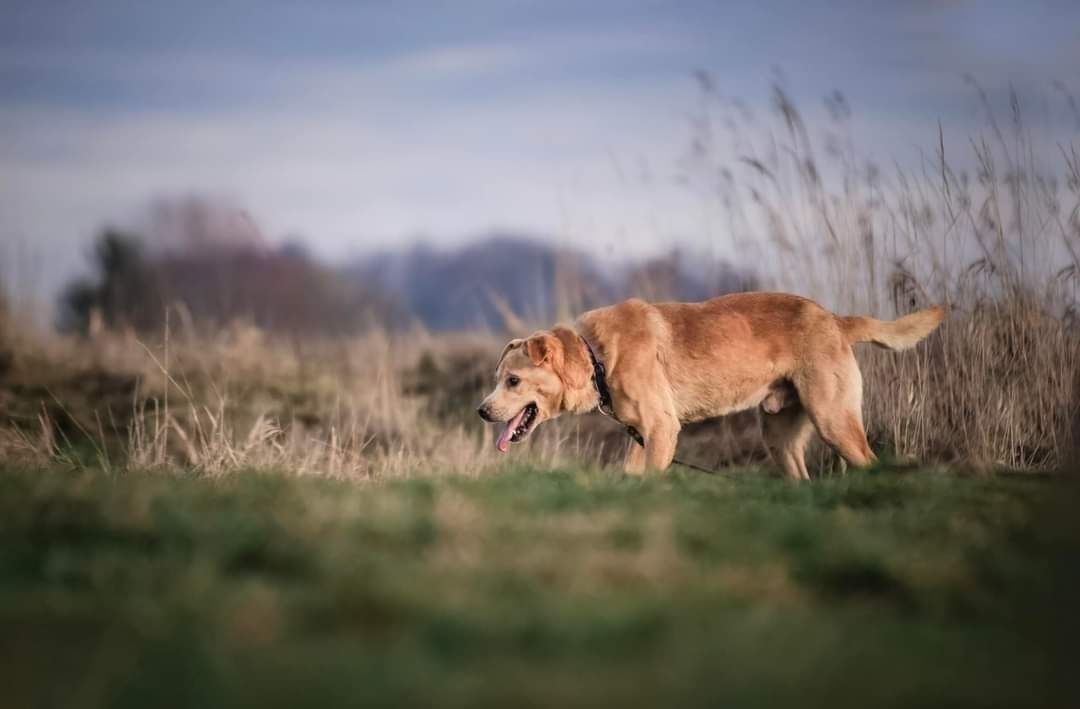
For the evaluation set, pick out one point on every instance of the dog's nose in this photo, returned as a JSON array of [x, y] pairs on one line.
[[483, 411]]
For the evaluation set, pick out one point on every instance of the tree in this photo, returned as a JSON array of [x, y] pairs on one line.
[[123, 290], [217, 282]]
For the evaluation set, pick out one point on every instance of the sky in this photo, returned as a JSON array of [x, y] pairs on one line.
[[357, 126]]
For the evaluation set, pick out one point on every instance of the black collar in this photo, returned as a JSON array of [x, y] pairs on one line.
[[599, 381]]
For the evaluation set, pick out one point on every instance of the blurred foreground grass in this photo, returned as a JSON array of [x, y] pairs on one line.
[[536, 588]]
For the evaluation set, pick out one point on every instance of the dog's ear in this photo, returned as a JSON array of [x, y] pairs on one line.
[[545, 348], [576, 370], [509, 346]]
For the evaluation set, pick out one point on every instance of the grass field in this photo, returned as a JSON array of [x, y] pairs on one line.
[[536, 588]]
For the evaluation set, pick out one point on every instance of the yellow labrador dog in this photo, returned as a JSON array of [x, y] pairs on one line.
[[657, 366]]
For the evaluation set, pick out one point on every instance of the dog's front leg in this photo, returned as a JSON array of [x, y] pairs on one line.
[[635, 458], [660, 429], [660, 435], [660, 443]]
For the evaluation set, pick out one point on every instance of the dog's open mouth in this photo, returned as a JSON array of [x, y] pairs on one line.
[[518, 427]]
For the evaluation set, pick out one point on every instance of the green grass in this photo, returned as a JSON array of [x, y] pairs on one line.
[[536, 588]]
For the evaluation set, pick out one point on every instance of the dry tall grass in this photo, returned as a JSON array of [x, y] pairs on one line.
[[997, 385], [360, 408], [998, 243]]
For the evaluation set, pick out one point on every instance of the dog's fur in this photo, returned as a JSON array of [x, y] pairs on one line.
[[673, 363]]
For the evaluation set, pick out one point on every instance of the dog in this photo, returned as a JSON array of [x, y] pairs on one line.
[[657, 366]]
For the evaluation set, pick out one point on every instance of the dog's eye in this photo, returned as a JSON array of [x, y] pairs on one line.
[[512, 381]]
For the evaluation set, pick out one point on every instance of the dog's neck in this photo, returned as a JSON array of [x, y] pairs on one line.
[[604, 404], [581, 399], [586, 396]]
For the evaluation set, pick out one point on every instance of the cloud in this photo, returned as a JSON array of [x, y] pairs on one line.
[[348, 156]]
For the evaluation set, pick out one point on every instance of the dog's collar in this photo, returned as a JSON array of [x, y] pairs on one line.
[[604, 405], [599, 381]]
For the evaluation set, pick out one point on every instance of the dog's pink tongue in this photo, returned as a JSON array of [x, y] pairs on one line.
[[503, 444]]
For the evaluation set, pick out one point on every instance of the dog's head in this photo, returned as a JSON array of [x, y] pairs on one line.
[[532, 380]]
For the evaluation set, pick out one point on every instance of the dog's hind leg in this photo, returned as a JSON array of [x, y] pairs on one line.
[[832, 396], [844, 432], [786, 434]]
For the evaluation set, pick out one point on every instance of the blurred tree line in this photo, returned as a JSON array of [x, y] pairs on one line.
[[463, 288], [209, 263], [215, 281]]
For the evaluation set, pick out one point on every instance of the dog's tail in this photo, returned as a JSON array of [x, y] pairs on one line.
[[899, 334]]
